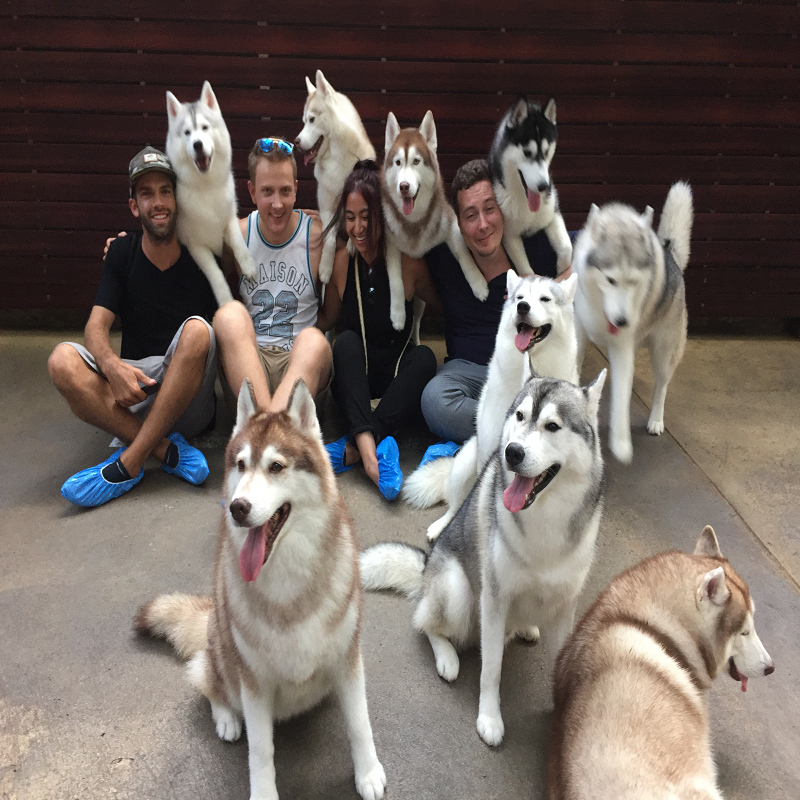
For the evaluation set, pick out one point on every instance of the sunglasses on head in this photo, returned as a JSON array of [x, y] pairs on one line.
[[268, 144]]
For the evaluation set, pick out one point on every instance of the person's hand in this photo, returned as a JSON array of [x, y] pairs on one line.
[[108, 242], [124, 380], [564, 275], [313, 213]]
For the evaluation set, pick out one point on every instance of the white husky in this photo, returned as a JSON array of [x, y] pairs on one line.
[[333, 137], [630, 717], [631, 293], [199, 147], [536, 335], [417, 214], [282, 629]]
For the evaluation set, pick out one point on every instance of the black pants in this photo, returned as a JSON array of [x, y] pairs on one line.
[[400, 396]]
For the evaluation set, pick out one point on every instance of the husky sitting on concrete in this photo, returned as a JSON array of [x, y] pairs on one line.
[[630, 716], [199, 147], [517, 553], [631, 294]]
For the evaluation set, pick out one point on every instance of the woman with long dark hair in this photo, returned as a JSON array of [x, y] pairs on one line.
[[370, 358]]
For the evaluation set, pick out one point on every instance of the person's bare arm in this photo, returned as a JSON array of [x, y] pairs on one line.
[[423, 286], [564, 275], [315, 248], [122, 378], [332, 305]]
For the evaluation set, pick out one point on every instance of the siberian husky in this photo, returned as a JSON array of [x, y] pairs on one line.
[[199, 147], [516, 555], [519, 163], [631, 293], [282, 629], [417, 214], [630, 716], [537, 321], [333, 137]]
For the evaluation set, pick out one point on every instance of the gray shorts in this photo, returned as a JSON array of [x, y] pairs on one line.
[[196, 418]]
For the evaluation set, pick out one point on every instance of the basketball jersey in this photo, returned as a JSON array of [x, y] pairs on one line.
[[282, 298]]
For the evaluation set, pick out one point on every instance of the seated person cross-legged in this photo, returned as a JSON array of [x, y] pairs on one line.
[[370, 358]]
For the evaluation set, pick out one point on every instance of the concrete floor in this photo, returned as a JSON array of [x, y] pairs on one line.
[[88, 711]]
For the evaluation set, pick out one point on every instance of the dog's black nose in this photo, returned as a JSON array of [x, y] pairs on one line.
[[769, 670], [620, 322], [240, 508], [515, 454], [198, 146], [543, 187], [523, 308]]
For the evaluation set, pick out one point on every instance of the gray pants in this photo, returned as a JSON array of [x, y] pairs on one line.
[[200, 411]]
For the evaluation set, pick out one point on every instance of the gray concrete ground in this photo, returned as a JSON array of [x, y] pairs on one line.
[[89, 711]]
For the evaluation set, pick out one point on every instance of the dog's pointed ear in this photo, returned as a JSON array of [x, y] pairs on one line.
[[569, 287], [590, 220], [173, 105], [647, 217], [323, 87], [593, 393], [519, 113], [310, 86], [392, 130], [245, 406], [301, 409], [208, 98], [512, 282], [550, 110], [707, 544], [713, 588], [428, 130]]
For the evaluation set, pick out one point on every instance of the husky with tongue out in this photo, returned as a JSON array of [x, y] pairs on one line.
[[282, 629], [516, 555], [519, 163], [199, 147]]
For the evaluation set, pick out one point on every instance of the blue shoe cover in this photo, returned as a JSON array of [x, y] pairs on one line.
[[390, 477], [336, 454], [88, 488], [192, 465], [439, 450]]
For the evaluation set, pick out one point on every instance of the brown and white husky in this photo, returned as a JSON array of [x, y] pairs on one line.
[[282, 629], [630, 716]]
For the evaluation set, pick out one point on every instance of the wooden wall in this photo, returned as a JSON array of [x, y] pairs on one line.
[[648, 92]]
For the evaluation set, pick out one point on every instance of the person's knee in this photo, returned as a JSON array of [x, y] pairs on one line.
[[312, 346], [63, 366], [432, 400], [232, 321], [347, 344], [195, 340], [426, 360]]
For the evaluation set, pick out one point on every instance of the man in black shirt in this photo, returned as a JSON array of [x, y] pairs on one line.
[[163, 381]]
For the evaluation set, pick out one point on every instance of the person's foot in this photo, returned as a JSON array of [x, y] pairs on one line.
[[336, 454], [97, 485], [390, 475], [185, 461], [439, 450]]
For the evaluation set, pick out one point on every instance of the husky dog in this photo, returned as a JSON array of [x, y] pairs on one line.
[[417, 214], [630, 716], [516, 555], [519, 163], [334, 138], [537, 320], [282, 629], [199, 147], [631, 293]]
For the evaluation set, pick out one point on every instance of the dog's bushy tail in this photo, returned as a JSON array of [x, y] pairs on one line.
[[393, 566], [426, 486], [181, 619], [675, 228]]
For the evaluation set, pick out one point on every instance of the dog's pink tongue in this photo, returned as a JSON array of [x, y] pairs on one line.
[[534, 201], [523, 338], [744, 682], [612, 329], [307, 157], [251, 559], [408, 205], [515, 495]]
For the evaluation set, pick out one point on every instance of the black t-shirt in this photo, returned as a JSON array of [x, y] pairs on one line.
[[151, 303], [470, 326]]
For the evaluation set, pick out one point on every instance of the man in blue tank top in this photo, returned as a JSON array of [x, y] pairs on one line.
[[450, 400]]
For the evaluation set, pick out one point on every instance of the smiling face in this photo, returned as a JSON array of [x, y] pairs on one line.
[[274, 192], [357, 226], [153, 203], [480, 219]]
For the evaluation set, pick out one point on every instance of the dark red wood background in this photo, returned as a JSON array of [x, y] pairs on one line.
[[648, 92]]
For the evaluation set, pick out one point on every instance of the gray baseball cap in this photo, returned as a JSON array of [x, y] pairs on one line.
[[147, 160]]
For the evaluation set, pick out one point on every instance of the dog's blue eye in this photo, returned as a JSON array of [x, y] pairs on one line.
[[545, 299], [552, 427]]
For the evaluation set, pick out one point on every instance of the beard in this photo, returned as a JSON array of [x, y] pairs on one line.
[[161, 234]]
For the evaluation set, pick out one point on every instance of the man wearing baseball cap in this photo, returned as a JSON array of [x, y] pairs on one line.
[[160, 388]]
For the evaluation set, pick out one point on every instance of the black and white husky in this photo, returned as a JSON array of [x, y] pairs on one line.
[[515, 557], [519, 164]]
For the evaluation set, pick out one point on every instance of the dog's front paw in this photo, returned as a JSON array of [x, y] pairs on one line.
[[529, 634], [398, 316], [372, 785], [435, 528], [480, 288], [325, 271], [622, 448], [447, 665], [655, 426], [247, 265], [229, 726], [491, 729]]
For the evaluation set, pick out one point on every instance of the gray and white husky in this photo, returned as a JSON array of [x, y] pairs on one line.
[[536, 336], [631, 294], [333, 137], [199, 147], [519, 164], [515, 557]]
